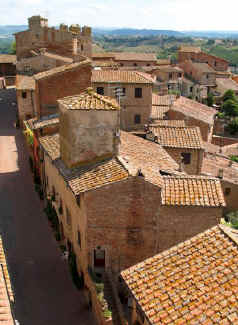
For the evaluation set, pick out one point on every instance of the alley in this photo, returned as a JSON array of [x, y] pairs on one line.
[[44, 292]]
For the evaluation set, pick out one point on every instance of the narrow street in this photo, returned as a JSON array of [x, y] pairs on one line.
[[44, 292]]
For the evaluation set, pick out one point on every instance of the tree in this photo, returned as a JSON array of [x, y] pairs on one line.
[[13, 48], [229, 94], [230, 107], [210, 99], [232, 127]]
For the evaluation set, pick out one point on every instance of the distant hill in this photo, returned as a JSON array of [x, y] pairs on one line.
[[8, 30], [135, 32], [212, 34]]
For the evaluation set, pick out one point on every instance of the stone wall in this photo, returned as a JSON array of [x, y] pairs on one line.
[[204, 78], [131, 106], [69, 83], [230, 191], [194, 168], [26, 106], [177, 224]]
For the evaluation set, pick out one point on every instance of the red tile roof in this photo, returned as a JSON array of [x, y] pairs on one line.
[[178, 137], [165, 100], [194, 109], [105, 76], [192, 191], [194, 282], [158, 112]]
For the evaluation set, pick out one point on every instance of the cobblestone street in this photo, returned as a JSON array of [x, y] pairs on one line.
[[44, 292]]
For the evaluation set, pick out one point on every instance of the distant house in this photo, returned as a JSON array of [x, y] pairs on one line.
[[194, 114], [135, 94]]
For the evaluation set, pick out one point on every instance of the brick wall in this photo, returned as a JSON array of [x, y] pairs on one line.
[[204, 78], [194, 168], [69, 83], [135, 63], [223, 141], [205, 128], [122, 219], [131, 106], [176, 224]]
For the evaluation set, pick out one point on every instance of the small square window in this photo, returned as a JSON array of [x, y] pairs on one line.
[[100, 90], [186, 158], [227, 191], [137, 119], [138, 92], [24, 94]]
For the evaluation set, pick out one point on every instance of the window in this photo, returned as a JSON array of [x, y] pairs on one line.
[[227, 191], [215, 63], [138, 92], [24, 94], [170, 75], [81, 47], [99, 257], [100, 90], [137, 119], [124, 91], [186, 158], [135, 64], [148, 65], [68, 217], [191, 89], [79, 238], [180, 75], [53, 194], [207, 76]]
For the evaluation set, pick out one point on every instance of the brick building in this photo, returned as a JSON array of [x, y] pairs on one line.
[[196, 55], [67, 41], [169, 77], [194, 114], [37, 95], [40, 61], [192, 282], [136, 91], [201, 73], [183, 144]]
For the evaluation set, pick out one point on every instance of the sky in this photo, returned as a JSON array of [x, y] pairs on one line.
[[151, 14]]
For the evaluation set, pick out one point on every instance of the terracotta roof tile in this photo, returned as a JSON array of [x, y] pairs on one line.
[[130, 56], [51, 145], [194, 109], [8, 58], [166, 100], [194, 282], [147, 156], [6, 294], [168, 123], [158, 112], [203, 67], [224, 84], [46, 121], [192, 191], [61, 69], [88, 100], [119, 76], [178, 137], [25, 82]]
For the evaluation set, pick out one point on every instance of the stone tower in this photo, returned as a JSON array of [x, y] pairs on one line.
[[89, 128]]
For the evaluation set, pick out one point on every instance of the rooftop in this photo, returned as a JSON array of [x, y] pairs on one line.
[[120, 76], [158, 113], [192, 191], [203, 67], [125, 56], [170, 68], [135, 153], [25, 82], [89, 100], [60, 69], [6, 294], [194, 282], [193, 49], [163, 61], [168, 123], [8, 58], [194, 109], [165, 100], [178, 137], [45, 121], [224, 84]]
